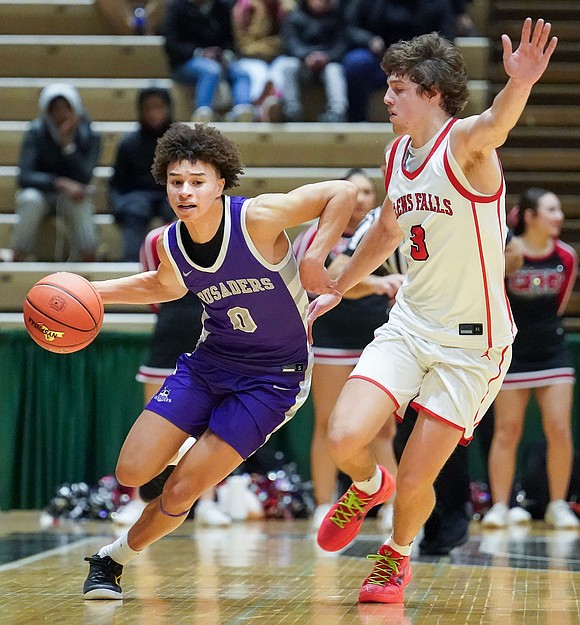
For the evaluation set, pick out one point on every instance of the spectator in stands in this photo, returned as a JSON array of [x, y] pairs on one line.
[[376, 25], [132, 17], [538, 293], [200, 47], [59, 152], [315, 37], [464, 24], [134, 195], [256, 26]]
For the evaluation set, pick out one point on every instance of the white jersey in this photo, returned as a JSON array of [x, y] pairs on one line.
[[454, 239]]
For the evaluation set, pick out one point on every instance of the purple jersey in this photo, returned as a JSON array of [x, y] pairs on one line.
[[254, 315]]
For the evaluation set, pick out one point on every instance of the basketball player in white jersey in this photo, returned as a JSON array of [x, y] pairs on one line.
[[447, 344]]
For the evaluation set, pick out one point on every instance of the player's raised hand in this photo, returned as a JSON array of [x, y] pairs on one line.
[[529, 61]]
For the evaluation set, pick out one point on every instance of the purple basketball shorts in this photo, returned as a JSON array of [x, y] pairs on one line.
[[241, 408]]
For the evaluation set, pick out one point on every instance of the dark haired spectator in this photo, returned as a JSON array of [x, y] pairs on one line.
[[374, 26], [315, 37], [58, 154], [134, 195], [199, 43]]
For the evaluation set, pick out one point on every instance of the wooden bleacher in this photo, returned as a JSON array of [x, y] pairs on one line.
[[43, 41], [544, 149]]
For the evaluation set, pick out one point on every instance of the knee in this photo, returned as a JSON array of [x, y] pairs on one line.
[[558, 435], [357, 63], [507, 434], [410, 485], [131, 475], [343, 443], [178, 496], [29, 199]]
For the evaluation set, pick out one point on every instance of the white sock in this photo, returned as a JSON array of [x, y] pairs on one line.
[[372, 485], [403, 550], [119, 551]]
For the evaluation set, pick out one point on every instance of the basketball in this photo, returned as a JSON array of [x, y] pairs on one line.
[[63, 312]]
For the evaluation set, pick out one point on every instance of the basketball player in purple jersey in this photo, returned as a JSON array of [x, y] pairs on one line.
[[447, 344], [250, 371]]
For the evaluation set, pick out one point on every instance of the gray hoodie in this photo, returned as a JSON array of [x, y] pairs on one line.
[[42, 158]]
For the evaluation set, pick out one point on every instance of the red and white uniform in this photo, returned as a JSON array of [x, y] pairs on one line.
[[454, 238], [447, 345]]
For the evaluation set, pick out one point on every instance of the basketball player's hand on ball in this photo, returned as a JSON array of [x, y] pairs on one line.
[[319, 306]]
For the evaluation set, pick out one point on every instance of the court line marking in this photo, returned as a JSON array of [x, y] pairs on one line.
[[47, 554]]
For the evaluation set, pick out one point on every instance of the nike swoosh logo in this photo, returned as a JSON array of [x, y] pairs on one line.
[[280, 388], [186, 273]]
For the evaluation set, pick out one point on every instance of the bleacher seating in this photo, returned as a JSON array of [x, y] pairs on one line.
[[43, 41]]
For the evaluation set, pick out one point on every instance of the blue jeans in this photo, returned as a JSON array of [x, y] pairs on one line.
[[205, 74], [364, 75]]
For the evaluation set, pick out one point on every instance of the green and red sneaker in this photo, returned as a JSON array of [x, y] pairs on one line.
[[387, 581], [343, 521]]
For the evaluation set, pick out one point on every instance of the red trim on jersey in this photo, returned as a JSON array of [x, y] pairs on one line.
[[495, 377], [411, 175], [462, 441], [483, 275], [473, 197], [386, 390], [390, 163]]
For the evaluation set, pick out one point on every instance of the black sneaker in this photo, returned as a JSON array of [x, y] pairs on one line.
[[103, 579]]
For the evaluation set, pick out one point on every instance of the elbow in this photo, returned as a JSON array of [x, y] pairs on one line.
[[351, 192]]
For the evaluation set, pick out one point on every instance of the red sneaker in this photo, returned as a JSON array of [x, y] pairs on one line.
[[343, 521], [387, 581]]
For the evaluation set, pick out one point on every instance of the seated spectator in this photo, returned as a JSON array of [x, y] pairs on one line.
[[58, 154], [376, 25], [256, 27], [464, 25], [132, 17], [315, 38], [134, 195], [199, 43]]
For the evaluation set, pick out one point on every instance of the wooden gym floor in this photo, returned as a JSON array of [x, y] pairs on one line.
[[265, 573]]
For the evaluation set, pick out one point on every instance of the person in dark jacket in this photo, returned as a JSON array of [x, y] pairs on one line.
[[58, 154], [373, 27], [315, 38], [134, 195], [199, 43]]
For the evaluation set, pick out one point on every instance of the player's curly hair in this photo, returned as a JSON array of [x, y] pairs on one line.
[[434, 64], [198, 143]]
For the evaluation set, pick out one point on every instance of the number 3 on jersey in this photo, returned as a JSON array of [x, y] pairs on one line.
[[418, 246], [242, 320]]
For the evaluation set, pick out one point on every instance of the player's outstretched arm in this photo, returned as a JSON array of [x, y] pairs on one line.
[[148, 287], [524, 66]]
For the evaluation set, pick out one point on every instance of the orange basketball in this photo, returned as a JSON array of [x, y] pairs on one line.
[[63, 312]]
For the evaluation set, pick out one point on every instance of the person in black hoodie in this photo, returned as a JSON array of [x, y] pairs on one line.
[[134, 195]]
